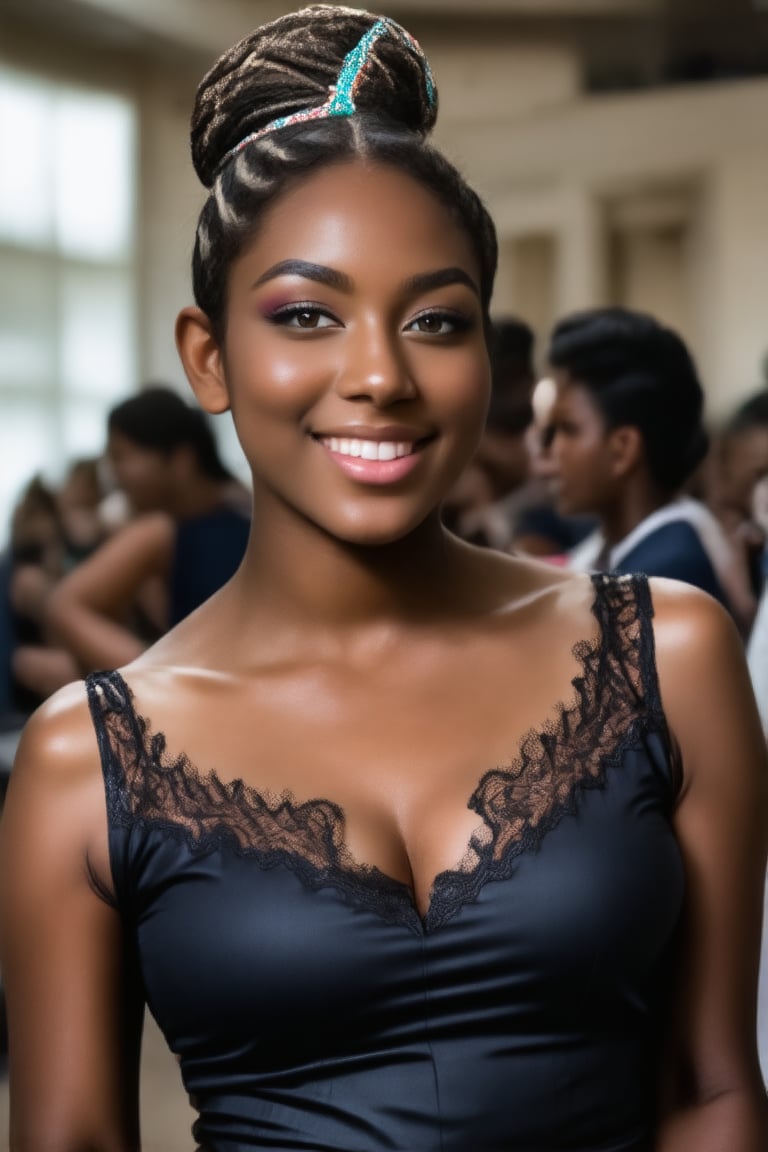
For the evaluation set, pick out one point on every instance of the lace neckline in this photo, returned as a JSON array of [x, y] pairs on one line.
[[614, 695]]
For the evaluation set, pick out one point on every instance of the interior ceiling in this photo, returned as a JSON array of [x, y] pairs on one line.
[[210, 25], [624, 43]]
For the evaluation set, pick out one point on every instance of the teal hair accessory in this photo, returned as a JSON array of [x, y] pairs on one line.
[[341, 95]]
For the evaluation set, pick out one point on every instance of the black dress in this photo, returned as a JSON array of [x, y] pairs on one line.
[[207, 551], [312, 1007]]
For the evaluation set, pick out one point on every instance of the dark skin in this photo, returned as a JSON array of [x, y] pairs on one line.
[[354, 605], [88, 612], [602, 471], [598, 470]]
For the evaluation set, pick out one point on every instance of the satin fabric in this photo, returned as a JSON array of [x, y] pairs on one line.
[[313, 1009]]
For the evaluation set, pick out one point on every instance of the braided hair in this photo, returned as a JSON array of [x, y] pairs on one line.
[[277, 72]]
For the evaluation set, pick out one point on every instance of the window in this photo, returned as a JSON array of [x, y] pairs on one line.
[[67, 283]]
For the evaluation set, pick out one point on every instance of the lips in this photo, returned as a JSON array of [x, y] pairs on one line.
[[374, 455]]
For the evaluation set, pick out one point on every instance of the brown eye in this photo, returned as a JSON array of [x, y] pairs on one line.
[[430, 324], [438, 322], [307, 316]]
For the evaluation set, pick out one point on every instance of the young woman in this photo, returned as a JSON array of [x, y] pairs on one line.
[[379, 888], [187, 539], [627, 433]]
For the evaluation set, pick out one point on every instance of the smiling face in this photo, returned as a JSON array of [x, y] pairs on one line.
[[355, 356]]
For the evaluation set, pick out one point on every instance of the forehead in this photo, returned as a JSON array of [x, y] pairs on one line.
[[752, 441], [120, 444], [570, 391], [371, 218]]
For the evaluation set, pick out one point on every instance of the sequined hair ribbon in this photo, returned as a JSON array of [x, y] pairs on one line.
[[341, 95]]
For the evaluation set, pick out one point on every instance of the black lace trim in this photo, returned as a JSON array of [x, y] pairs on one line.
[[616, 697]]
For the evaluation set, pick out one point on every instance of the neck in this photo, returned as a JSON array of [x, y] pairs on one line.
[[637, 502], [304, 578]]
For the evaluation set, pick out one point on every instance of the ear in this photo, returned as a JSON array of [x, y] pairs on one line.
[[626, 449], [202, 359]]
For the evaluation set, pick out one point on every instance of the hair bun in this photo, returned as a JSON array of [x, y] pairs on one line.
[[290, 64]]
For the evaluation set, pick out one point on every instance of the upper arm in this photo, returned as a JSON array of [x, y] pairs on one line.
[[721, 825], [74, 1013], [109, 580], [88, 609]]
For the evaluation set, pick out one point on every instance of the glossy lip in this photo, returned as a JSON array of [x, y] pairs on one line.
[[375, 472]]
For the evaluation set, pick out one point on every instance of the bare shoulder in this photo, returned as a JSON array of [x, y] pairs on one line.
[[58, 761], [705, 688], [692, 631]]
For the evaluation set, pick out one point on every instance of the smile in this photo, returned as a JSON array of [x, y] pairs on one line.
[[369, 449]]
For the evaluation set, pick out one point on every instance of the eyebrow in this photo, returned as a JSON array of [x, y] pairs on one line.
[[426, 281], [423, 282], [307, 271]]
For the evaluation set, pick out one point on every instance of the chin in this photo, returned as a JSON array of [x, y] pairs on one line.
[[376, 532], [567, 506]]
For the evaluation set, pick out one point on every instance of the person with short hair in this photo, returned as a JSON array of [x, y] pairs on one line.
[[627, 432]]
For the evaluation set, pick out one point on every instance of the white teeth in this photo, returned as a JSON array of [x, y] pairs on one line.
[[369, 449]]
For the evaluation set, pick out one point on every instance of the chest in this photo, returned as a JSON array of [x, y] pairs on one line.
[[412, 795], [565, 920]]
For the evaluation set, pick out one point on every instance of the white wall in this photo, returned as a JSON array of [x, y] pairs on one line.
[[171, 198], [559, 171]]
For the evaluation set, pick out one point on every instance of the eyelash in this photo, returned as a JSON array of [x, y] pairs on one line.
[[288, 312], [284, 315], [458, 320]]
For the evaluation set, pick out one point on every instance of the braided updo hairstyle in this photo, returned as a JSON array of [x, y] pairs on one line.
[[289, 66]]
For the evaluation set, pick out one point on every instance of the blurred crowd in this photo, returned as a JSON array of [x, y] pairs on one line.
[[603, 463], [607, 463], [125, 547]]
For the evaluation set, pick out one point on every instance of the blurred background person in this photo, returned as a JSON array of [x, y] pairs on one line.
[[739, 464], [757, 648], [187, 537], [627, 433], [29, 567], [539, 529], [52, 530], [742, 459], [480, 506], [503, 499]]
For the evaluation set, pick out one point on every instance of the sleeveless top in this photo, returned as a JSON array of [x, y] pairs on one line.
[[208, 550], [312, 1007]]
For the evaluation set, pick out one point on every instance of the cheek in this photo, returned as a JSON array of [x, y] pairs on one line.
[[588, 462], [578, 462], [275, 381], [129, 475], [463, 386]]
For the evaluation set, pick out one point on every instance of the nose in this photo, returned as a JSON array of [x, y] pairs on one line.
[[545, 460], [375, 366]]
